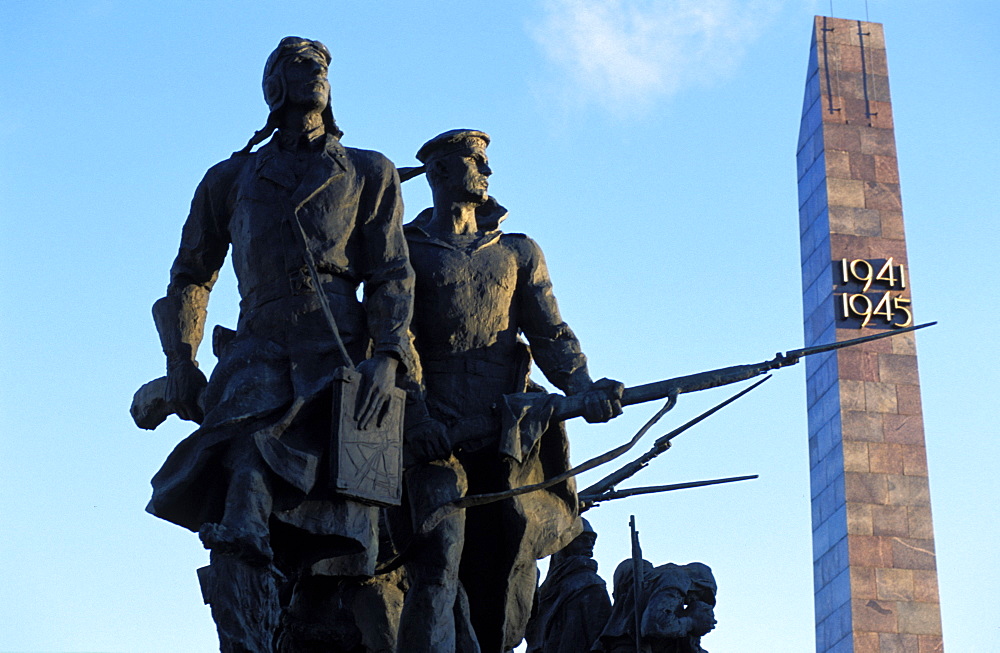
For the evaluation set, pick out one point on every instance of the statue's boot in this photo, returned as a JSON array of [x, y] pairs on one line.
[[243, 531], [244, 601]]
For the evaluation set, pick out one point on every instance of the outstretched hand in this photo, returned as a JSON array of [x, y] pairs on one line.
[[603, 401], [378, 378], [185, 383]]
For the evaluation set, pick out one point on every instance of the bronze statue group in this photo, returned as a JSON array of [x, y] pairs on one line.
[[334, 427]]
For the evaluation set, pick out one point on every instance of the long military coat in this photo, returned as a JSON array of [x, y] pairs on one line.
[[349, 206], [573, 606]]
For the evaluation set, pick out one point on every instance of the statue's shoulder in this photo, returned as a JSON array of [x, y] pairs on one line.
[[370, 162], [515, 239], [228, 170], [523, 245]]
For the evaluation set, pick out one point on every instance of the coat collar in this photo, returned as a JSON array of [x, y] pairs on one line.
[[273, 164], [488, 219]]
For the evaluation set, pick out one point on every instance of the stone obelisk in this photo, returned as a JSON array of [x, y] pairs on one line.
[[873, 542]]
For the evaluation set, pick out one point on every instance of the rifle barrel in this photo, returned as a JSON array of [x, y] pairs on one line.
[[637, 583], [570, 407]]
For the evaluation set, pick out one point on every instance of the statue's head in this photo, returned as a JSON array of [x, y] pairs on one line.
[[457, 166], [583, 544], [296, 74], [703, 587], [623, 577]]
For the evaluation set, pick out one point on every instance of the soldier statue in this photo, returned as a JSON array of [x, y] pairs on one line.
[[573, 603], [308, 221], [478, 290], [675, 608]]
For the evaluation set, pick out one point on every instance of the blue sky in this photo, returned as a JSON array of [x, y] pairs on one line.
[[649, 147]]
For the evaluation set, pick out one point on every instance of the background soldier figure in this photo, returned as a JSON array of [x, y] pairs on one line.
[[676, 608], [302, 199], [573, 603], [477, 289]]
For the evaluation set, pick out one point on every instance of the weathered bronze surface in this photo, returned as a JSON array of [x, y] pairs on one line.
[[477, 290], [434, 469], [273, 486], [675, 608], [573, 603]]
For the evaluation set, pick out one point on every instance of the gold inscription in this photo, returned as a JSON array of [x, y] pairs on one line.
[[885, 303]]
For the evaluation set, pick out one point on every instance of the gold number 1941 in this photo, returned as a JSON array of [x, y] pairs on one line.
[[863, 271]]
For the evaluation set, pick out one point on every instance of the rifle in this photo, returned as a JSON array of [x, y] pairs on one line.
[[570, 407], [637, 582], [574, 406], [588, 501], [608, 483]]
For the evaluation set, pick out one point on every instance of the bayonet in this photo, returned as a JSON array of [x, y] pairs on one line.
[[574, 406], [569, 407], [588, 501], [608, 483]]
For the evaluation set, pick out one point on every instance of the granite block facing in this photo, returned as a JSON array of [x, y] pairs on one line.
[[860, 426], [866, 488], [890, 520], [925, 586], [869, 551], [856, 456], [919, 522], [903, 429], [919, 618], [858, 365], [880, 397], [874, 616], [912, 553], [860, 519], [898, 368], [886, 169], [885, 458], [864, 583], [908, 490], [914, 459], [894, 585], [868, 467], [897, 643]]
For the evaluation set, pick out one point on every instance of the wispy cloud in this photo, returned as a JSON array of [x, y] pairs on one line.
[[625, 55]]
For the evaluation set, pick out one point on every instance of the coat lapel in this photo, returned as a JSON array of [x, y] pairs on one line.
[[331, 164], [271, 166]]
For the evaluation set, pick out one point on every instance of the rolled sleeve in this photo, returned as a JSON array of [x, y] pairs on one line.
[[388, 277], [554, 346]]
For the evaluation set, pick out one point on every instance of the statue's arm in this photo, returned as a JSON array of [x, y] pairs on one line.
[[180, 316], [667, 617], [388, 285], [554, 346], [386, 272]]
